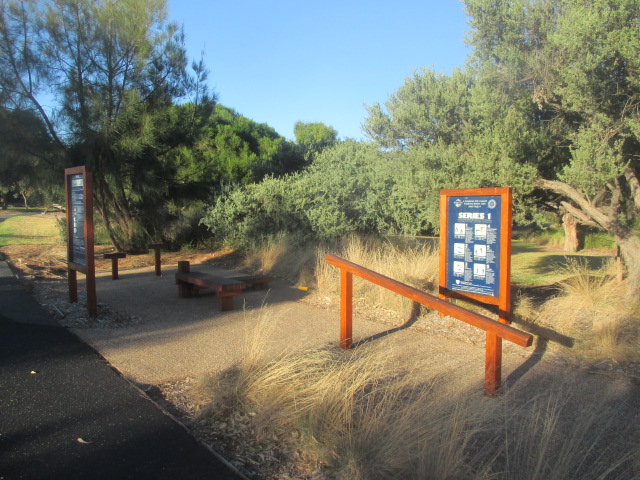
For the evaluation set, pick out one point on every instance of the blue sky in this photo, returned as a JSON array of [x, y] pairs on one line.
[[281, 61]]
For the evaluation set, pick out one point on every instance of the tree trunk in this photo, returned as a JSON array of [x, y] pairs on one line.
[[630, 250], [3, 201], [115, 211], [634, 185], [588, 214], [124, 237], [570, 225], [115, 241]]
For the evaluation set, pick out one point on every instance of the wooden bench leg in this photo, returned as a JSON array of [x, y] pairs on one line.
[[114, 262], [114, 268], [226, 302], [184, 290]]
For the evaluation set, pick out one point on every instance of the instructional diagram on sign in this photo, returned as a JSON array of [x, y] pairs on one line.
[[473, 244]]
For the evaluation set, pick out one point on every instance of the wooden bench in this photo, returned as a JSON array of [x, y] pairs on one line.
[[225, 288], [190, 282], [114, 262], [254, 282]]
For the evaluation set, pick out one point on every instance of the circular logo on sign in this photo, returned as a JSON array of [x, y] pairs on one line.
[[492, 203], [458, 203]]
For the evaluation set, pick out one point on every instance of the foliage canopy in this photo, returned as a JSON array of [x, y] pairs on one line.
[[548, 103], [125, 104]]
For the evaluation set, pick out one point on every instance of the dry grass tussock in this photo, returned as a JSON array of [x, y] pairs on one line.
[[365, 415], [590, 307], [283, 255], [416, 266], [303, 263]]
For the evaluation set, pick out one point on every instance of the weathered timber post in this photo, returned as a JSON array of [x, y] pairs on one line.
[[157, 247]]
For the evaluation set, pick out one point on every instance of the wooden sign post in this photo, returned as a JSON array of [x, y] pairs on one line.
[[78, 183], [475, 258]]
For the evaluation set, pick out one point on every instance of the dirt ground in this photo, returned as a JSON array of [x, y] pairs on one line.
[[165, 345]]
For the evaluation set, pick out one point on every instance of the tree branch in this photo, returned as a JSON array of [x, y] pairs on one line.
[[579, 214], [632, 179], [583, 205], [26, 90], [616, 195]]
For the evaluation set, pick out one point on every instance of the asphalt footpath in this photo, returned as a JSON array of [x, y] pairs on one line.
[[66, 414]]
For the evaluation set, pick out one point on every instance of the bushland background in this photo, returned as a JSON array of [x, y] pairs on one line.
[[547, 103]]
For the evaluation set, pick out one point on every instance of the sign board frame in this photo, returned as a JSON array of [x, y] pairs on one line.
[[78, 182], [477, 198]]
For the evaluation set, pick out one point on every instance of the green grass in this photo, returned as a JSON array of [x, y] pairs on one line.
[[554, 237], [41, 230], [551, 237], [532, 265], [29, 230], [599, 240], [19, 210]]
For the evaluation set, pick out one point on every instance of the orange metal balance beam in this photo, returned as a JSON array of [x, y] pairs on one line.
[[485, 323], [496, 331]]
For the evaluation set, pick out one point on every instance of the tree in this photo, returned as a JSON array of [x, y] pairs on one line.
[[548, 103], [114, 67], [459, 132], [28, 157], [349, 187], [227, 149], [578, 63], [314, 137], [429, 107]]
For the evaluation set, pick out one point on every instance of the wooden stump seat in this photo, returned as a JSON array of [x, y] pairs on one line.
[[114, 262]]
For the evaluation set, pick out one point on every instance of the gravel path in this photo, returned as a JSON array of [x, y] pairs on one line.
[[163, 337], [155, 338]]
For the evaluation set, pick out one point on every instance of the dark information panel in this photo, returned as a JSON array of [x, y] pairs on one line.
[[473, 244], [78, 243]]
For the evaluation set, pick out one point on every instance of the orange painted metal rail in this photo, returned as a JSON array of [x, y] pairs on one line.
[[494, 329]]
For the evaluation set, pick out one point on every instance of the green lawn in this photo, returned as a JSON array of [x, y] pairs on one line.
[[533, 265], [29, 230]]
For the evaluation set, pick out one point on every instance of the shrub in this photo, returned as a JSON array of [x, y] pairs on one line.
[[599, 240], [551, 237], [350, 187], [100, 233], [254, 212], [182, 227]]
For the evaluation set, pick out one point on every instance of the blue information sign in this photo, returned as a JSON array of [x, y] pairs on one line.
[[473, 244], [78, 247]]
